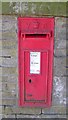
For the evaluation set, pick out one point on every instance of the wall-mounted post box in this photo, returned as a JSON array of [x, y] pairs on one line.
[[35, 48]]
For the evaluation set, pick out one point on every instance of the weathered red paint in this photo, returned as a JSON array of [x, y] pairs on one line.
[[35, 35]]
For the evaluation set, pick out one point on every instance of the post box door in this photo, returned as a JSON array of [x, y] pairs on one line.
[[35, 76]]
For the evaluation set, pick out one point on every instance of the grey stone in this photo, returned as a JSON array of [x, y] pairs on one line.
[[21, 110]]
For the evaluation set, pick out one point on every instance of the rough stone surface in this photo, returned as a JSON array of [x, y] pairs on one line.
[[54, 110], [59, 92], [18, 110], [9, 70], [35, 8], [41, 116], [1, 117], [59, 66], [8, 116]]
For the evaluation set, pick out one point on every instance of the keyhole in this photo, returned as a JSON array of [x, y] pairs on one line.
[[30, 80]]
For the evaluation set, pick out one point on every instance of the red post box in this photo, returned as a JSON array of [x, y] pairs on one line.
[[35, 48]]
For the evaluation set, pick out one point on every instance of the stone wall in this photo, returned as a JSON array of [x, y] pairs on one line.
[[9, 66]]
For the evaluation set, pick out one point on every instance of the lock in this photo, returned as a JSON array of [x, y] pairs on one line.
[[35, 56], [30, 80]]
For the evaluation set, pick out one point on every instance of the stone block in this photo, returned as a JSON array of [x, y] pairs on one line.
[[11, 53], [34, 8], [8, 62], [8, 116], [21, 110], [9, 70], [54, 111], [60, 28], [60, 44], [59, 68], [60, 53], [9, 78], [59, 91], [9, 102], [41, 116]]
